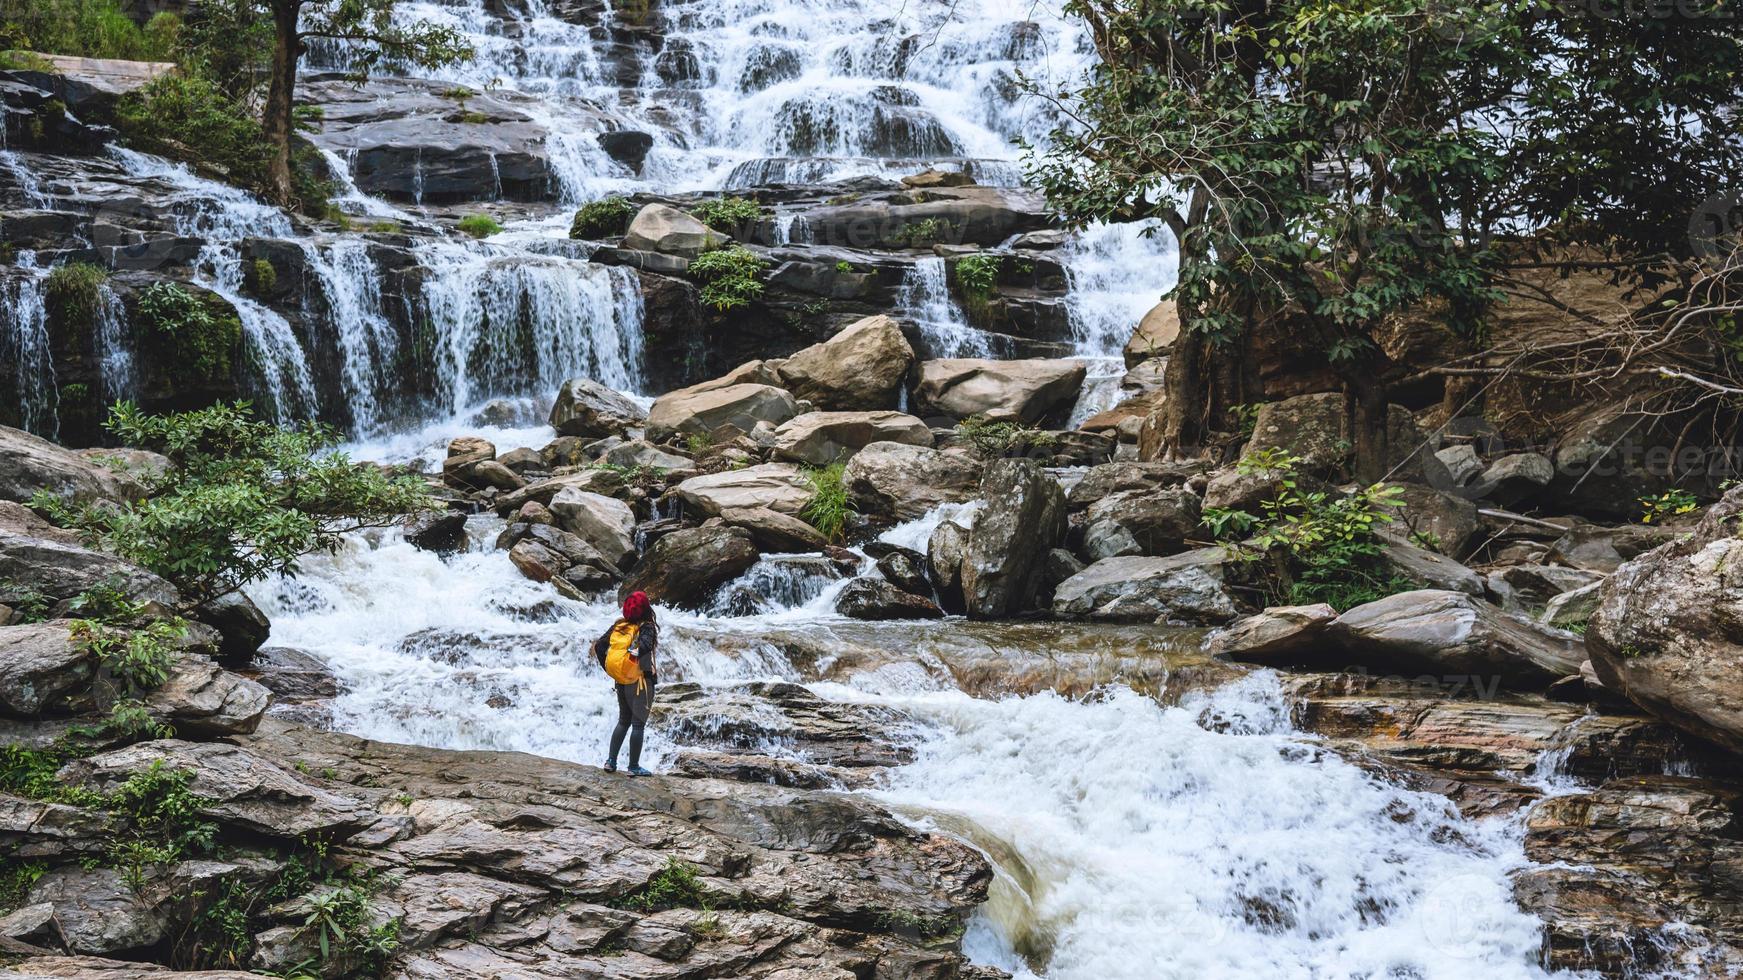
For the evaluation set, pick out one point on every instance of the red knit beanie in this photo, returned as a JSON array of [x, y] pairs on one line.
[[637, 608]]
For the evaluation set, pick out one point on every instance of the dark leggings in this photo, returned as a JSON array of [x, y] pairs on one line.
[[632, 719]]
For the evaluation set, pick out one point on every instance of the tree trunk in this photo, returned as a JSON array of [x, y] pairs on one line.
[[1370, 429], [279, 122]]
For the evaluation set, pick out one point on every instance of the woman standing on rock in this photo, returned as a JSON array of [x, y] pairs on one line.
[[626, 651]]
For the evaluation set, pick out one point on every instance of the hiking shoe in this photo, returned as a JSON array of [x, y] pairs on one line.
[[611, 767], [639, 771]]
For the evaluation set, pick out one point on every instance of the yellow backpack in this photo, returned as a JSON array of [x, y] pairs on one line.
[[620, 662]]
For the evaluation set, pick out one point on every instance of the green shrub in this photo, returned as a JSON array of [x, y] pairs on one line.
[[14, 60], [844, 266], [1658, 509], [262, 278], [163, 818], [479, 225], [729, 277], [675, 886], [607, 217], [994, 440], [74, 292], [922, 233], [978, 274], [203, 332], [1323, 541], [87, 29], [828, 509], [187, 117], [242, 499], [16, 879], [727, 213]]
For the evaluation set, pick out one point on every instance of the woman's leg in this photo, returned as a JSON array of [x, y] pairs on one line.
[[640, 703], [625, 694]]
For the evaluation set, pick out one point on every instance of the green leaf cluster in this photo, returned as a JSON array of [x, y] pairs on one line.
[[607, 217], [730, 277], [727, 214]]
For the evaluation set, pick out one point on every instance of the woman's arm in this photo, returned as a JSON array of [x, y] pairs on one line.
[[646, 643]]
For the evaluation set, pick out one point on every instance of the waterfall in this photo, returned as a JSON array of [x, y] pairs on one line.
[[350, 284], [506, 322], [1115, 275], [25, 345], [944, 332], [351, 199], [114, 355]]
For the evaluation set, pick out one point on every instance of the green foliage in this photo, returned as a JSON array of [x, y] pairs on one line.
[[137, 660], [479, 226], [74, 292], [977, 274], [1246, 418], [844, 266], [1657, 509], [262, 278], [1324, 540], [242, 499], [29, 603], [16, 879], [676, 886], [341, 922], [24, 61], [730, 277], [698, 443], [995, 440], [607, 217], [188, 117], [828, 508], [164, 822], [30, 773], [202, 332], [87, 29], [727, 213], [920, 234]]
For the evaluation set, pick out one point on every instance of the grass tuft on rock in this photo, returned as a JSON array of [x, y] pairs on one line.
[[828, 508]]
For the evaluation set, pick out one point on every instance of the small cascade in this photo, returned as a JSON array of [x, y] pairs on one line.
[[782, 587], [28, 186], [350, 285], [1116, 273], [24, 346], [505, 323], [944, 332], [351, 199], [114, 356]]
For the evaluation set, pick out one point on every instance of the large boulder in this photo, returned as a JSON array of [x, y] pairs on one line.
[[906, 481], [774, 531], [1452, 634], [604, 522], [685, 568], [944, 553], [586, 408], [1668, 629], [706, 412], [663, 228], [1023, 519], [821, 438], [198, 698], [1277, 636], [1156, 333], [42, 561], [1111, 478], [874, 598], [29, 464], [242, 627], [640, 454], [1449, 524], [1315, 428], [861, 367], [1157, 521], [778, 486], [96, 912], [1026, 391], [1604, 549], [42, 668], [1190, 587]]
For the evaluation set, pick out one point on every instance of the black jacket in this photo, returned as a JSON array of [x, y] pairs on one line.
[[646, 642]]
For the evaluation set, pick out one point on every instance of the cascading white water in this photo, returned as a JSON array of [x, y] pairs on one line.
[[944, 332], [351, 287], [1115, 274], [114, 355], [1130, 839], [24, 343], [509, 322]]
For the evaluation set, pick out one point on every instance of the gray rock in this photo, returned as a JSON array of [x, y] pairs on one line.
[[29, 464], [773, 531], [905, 482], [1315, 428], [1158, 521], [710, 412], [588, 409], [527, 463], [1427, 568], [1238, 488], [1449, 523], [1109, 539], [1189, 587], [440, 531], [859, 369], [200, 699], [1668, 630], [1533, 586], [603, 481], [1515, 477], [639, 453], [906, 570], [293, 676], [1023, 519], [38, 558], [875, 598], [605, 523], [1111, 478], [1604, 549], [822, 438], [944, 553], [777, 486], [1452, 633], [42, 668], [684, 568], [663, 228], [96, 913], [1573, 610], [1027, 391], [241, 626], [1455, 466], [1276, 637]]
